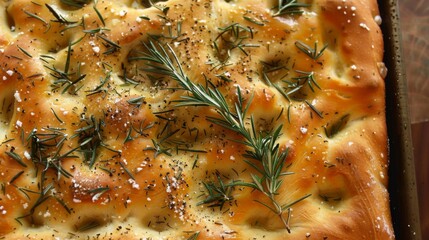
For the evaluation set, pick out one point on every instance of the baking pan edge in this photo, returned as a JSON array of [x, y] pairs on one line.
[[402, 180]]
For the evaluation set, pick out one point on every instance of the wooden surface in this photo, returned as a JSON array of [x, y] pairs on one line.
[[414, 18], [420, 133]]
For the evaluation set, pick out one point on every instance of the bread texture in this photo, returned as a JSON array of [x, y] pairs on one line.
[[192, 119]]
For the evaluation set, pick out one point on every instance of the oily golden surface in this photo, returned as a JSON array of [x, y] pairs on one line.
[[74, 96]]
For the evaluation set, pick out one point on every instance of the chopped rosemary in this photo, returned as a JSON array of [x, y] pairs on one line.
[[111, 46], [99, 88], [311, 52], [337, 126], [98, 12], [32, 15], [126, 79], [87, 226], [90, 138], [194, 236], [62, 203], [224, 77], [126, 170], [314, 109], [25, 52], [194, 165], [137, 101], [262, 146], [36, 3], [59, 18], [159, 149], [75, 3], [44, 194], [145, 18], [289, 7], [253, 20], [17, 158], [56, 116], [109, 171], [15, 177], [99, 190], [164, 9], [129, 137]]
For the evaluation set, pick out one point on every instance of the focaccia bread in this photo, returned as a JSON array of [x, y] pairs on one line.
[[192, 119]]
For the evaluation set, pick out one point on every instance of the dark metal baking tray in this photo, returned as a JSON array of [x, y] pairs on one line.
[[402, 181]]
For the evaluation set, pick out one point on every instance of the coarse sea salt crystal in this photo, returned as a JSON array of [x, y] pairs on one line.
[[27, 155], [17, 96], [96, 49], [18, 123], [364, 26]]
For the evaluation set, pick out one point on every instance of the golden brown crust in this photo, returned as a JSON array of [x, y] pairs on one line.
[[82, 120]]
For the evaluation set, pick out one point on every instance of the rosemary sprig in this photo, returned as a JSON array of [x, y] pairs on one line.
[[289, 7], [65, 78], [100, 87], [270, 68], [43, 195], [263, 146], [230, 38], [218, 193], [90, 138], [140, 131], [311, 52], [159, 146], [293, 87], [297, 83], [46, 149]]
